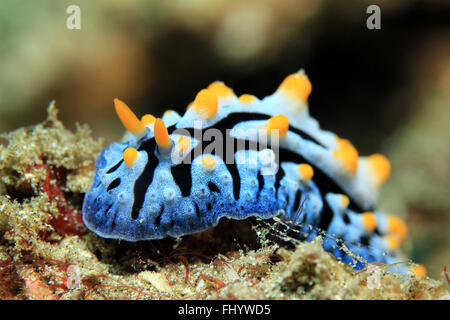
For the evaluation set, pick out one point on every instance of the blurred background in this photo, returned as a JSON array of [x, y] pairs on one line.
[[386, 90]]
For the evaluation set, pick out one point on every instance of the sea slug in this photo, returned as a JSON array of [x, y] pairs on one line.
[[236, 157]]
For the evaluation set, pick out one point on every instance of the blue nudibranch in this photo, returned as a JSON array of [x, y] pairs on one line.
[[166, 181]]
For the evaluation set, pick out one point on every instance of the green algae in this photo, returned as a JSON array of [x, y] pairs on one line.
[[36, 253]]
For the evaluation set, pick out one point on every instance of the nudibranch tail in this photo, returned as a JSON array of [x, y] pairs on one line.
[[240, 157]]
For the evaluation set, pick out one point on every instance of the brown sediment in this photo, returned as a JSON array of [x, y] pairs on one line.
[[45, 171]]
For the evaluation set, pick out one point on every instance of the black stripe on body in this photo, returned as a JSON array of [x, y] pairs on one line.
[[278, 176], [183, 178], [213, 187], [260, 182], [158, 217], [197, 210], [296, 205], [115, 167], [114, 184], [145, 179]]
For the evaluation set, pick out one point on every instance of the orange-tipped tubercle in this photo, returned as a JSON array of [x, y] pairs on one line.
[[128, 118], [161, 134], [206, 104]]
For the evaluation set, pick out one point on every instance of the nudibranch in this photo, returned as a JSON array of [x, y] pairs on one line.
[[237, 157]]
